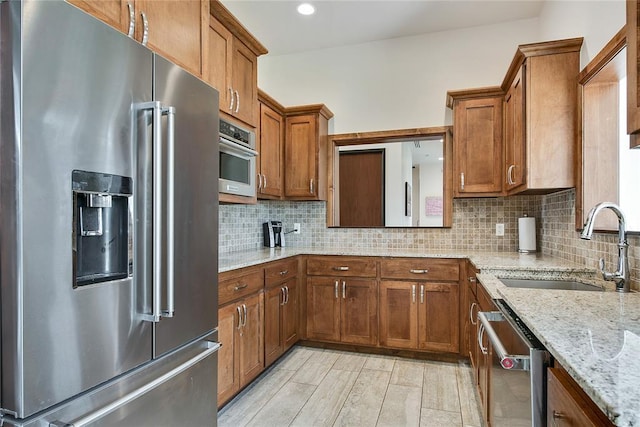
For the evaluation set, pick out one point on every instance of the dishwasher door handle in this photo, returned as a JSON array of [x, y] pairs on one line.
[[507, 361]]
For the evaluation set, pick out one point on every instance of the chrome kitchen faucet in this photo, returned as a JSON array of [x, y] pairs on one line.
[[621, 276]]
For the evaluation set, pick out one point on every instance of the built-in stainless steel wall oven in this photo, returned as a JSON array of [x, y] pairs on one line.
[[517, 395], [237, 160]]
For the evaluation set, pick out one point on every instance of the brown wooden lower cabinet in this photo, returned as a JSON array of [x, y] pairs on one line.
[[419, 315], [241, 357], [342, 309], [568, 405], [280, 319]]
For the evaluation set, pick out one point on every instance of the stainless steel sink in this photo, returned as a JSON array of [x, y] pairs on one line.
[[568, 285]]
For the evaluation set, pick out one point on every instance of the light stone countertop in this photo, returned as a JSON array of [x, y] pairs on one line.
[[594, 335]]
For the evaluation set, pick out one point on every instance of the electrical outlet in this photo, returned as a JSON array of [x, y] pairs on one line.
[[499, 229], [296, 228]]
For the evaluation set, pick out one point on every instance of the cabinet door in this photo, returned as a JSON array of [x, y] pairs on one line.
[[323, 308], [112, 12], [290, 314], [477, 140], [271, 140], [219, 62], [633, 86], [359, 311], [514, 135], [273, 301], [301, 152], [244, 81], [438, 318], [251, 340], [175, 30], [228, 324], [398, 314], [569, 406]]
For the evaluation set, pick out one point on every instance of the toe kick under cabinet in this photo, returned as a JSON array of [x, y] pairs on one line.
[[419, 304]]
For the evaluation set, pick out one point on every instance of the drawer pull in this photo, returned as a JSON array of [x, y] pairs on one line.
[[418, 271], [284, 272], [472, 279], [239, 287], [341, 268], [557, 416]]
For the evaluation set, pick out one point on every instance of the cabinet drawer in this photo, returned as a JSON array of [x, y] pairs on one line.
[[280, 272], [234, 286], [420, 269], [341, 266]]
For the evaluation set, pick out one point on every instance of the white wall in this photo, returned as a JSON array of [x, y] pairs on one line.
[[402, 83], [431, 178], [395, 84], [595, 20]]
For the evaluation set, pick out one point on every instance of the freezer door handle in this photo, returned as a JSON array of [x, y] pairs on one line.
[[212, 347]]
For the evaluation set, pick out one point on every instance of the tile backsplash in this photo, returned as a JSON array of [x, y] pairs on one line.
[[473, 229]]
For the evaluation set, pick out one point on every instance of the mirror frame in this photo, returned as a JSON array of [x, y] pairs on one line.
[[604, 57], [361, 138]]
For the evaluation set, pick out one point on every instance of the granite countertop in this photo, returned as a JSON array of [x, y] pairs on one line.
[[594, 335]]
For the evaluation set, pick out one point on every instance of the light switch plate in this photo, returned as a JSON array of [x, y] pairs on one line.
[[499, 229]]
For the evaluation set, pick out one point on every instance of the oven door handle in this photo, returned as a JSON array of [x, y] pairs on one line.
[[507, 361], [237, 148]]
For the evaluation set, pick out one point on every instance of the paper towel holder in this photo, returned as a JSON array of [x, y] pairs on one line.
[[527, 235]]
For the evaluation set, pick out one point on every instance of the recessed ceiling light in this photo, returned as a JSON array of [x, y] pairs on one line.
[[306, 9]]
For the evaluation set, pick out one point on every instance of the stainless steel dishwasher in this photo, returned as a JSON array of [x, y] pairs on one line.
[[517, 394]]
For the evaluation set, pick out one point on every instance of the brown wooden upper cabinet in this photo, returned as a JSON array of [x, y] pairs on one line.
[[306, 152], [175, 29], [271, 148], [541, 113], [232, 64], [477, 141], [633, 65]]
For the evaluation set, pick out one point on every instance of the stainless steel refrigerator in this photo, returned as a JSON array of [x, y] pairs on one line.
[[108, 227]]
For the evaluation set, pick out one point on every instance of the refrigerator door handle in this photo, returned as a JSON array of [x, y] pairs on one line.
[[158, 207], [212, 347], [170, 112]]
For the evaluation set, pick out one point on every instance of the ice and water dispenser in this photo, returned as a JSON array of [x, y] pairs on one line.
[[102, 227]]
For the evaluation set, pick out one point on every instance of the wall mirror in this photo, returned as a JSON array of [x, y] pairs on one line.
[[398, 178], [609, 168]]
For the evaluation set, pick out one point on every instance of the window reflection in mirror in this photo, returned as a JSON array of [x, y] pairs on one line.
[[609, 169], [394, 184]]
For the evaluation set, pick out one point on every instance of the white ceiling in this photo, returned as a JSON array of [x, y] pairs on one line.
[[279, 27]]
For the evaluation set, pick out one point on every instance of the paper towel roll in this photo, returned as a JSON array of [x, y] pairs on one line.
[[526, 234]]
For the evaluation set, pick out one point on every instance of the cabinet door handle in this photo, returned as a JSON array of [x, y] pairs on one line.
[[132, 20], [145, 29], [284, 298], [239, 287], [557, 416], [311, 185], [421, 294], [471, 317], [344, 289], [286, 294], [237, 101], [265, 180], [259, 182], [238, 309], [232, 99], [418, 271], [483, 349], [462, 181], [336, 289], [510, 175], [413, 293], [244, 321], [472, 279], [341, 268]]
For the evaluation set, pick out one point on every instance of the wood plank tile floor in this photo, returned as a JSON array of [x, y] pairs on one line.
[[316, 387]]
